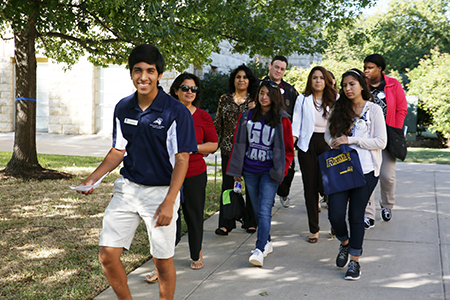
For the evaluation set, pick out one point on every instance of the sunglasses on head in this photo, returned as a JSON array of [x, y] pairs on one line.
[[186, 88], [270, 83]]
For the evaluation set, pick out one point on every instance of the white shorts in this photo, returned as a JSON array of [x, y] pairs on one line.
[[131, 203]]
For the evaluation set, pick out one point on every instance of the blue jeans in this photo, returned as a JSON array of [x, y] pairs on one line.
[[357, 201], [262, 190]]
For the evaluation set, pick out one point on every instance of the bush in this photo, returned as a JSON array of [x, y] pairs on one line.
[[431, 82], [213, 86]]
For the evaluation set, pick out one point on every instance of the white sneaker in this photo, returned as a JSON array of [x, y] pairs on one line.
[[268, 248], [257, 258]]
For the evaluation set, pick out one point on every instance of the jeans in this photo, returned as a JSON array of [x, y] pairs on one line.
[[262, 190], [357, 201]]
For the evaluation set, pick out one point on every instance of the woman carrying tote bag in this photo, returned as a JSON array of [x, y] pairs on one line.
[[368, 137]]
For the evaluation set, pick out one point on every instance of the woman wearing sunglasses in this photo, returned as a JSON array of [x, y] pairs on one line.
[[262, 152], [186, 89], [242, 86]]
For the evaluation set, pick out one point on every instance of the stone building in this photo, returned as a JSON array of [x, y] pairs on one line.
[[81, 100]]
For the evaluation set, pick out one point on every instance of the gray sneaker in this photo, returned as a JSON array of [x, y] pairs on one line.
[[285, 201]]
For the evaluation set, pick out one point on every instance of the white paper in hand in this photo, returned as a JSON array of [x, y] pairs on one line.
[[85, 188]]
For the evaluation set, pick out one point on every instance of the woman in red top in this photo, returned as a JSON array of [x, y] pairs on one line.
[[186, 88]]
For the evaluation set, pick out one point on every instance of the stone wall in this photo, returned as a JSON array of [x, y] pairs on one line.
[[6, 95], [71, 98]]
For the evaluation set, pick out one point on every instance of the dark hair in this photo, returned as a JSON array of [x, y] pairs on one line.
[[332, 76], [148, 54], [272, 117], [252, 81], [279, 57], [329, 93], [376, 59], [342, 116], [179, 80]]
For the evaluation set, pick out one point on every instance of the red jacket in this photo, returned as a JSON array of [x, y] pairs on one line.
[[397, 106]]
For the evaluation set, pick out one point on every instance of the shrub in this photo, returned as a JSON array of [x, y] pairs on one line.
[[213, 86], [431, 82]]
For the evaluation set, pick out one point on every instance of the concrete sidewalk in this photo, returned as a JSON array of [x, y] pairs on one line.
[[84, 145], [406, 258]]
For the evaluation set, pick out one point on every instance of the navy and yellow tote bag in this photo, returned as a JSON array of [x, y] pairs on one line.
[[341, 170]]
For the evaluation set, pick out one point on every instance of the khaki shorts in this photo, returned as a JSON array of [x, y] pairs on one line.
[[130, 204]]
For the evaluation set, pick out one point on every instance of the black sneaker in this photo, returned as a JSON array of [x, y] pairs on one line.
[[343, 258], [353, 271], [386, 214], [369, 223]]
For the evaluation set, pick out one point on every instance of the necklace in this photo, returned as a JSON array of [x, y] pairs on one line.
[[317, 105]]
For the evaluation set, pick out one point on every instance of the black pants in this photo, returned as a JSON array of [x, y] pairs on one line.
[[193, 208], [228, 183], [312, 178], [285, 186]]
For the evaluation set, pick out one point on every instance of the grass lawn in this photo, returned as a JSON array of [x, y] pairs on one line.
[[49, 233], [428, 156]]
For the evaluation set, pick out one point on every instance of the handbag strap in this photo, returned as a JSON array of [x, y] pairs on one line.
[[361, 114]]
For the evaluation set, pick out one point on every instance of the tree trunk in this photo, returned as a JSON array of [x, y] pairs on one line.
[[24, 159]]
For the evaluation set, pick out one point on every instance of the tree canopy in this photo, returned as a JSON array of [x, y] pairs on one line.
[[185, 31], [404, 34]]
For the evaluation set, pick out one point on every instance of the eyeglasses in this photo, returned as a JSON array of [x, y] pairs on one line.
[[186, 88]]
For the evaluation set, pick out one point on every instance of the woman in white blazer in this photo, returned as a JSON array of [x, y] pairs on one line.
[[309, 122]]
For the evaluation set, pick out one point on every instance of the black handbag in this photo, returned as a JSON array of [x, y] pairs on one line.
[[396, 144], [233, 205]]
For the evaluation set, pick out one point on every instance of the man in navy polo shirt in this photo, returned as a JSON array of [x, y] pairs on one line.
[[153, 135]]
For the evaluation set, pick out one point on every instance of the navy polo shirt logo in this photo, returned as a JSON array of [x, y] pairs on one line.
[[157, 123]]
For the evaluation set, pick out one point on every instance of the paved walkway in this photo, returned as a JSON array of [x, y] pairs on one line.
[[406, 258]]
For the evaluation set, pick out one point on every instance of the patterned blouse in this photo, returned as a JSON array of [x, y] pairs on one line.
[[226, 119]]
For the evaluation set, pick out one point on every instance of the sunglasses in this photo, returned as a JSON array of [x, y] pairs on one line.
[[186, 88], [272, 84]]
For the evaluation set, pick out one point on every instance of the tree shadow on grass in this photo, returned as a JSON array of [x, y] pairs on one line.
[[41, 174]]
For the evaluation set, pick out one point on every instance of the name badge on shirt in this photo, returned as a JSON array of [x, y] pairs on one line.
[[131, 122]]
